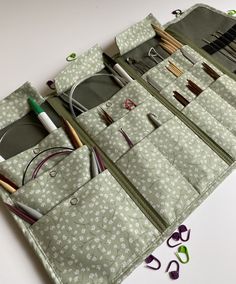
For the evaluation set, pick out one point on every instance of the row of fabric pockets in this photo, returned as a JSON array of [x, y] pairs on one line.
[[14, 168], [170, 167], [136, 124], [163, 77], [224, 88], [213, 110], [92, 122], [95, 234], [218, 123]]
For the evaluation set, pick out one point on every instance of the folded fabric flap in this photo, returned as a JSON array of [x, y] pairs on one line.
[[15, 106], [136, 34], [87, 64]]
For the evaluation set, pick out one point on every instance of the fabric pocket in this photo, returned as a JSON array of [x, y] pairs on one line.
[[226, 88], [15, 167], [15, 106], [96, 234], [198, 72], [180, 86], [212, 127], [188, 153], [115, 107], [164, 77], [136, 125], [161, 75], [217, 107], [160, 183], [51, 187]]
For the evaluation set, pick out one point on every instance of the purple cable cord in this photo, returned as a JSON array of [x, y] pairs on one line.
[[126, 138], [39, 166], [21, 214]]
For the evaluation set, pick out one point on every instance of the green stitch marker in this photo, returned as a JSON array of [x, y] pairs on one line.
[[183, 250]]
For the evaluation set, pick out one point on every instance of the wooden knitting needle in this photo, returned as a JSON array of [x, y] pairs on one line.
[[179, 71], [211, 72], [180, 98], [167, 48], [170, 44], [167, 36], [7, 186], [72, 134], [194, 88]]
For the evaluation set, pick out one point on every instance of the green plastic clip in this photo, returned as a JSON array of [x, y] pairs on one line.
[[231, 12], [71, 57], [182, 250]]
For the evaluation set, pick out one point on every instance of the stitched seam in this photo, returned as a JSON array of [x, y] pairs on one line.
[[45, 256], [123, 271]]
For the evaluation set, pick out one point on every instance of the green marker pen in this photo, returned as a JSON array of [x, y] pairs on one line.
[[42, 116]]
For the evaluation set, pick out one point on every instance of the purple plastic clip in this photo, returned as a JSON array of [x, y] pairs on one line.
[[151, 258], [182, 229], [175, 273], [51, 84], [178, 236]]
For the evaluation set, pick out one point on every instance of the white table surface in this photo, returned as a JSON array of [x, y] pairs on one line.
[[35, 38]]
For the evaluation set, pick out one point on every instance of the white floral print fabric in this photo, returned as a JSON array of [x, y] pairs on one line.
[[86, 64], [51, 187], [136, 125], [96, 234], [162, 185], [115, 107], [14, 167], [188, 153], [15, 106], [136, 34]]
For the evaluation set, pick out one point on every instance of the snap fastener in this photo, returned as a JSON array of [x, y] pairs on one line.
[[36, 150], [53, 173], [108, 104], [74, 201]]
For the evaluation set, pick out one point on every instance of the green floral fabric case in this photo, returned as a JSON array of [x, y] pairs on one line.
[[98, 229]]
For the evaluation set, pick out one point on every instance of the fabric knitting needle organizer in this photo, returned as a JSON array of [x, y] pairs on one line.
[[97, 230]]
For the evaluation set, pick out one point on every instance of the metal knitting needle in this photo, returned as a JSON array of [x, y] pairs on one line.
[[224, 48], [31, 211], [65, 97], [94, 166], [141, 68], [220, 51], [231, 42], [153, 53], [224, 42], [154, 119], [227, 35]]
